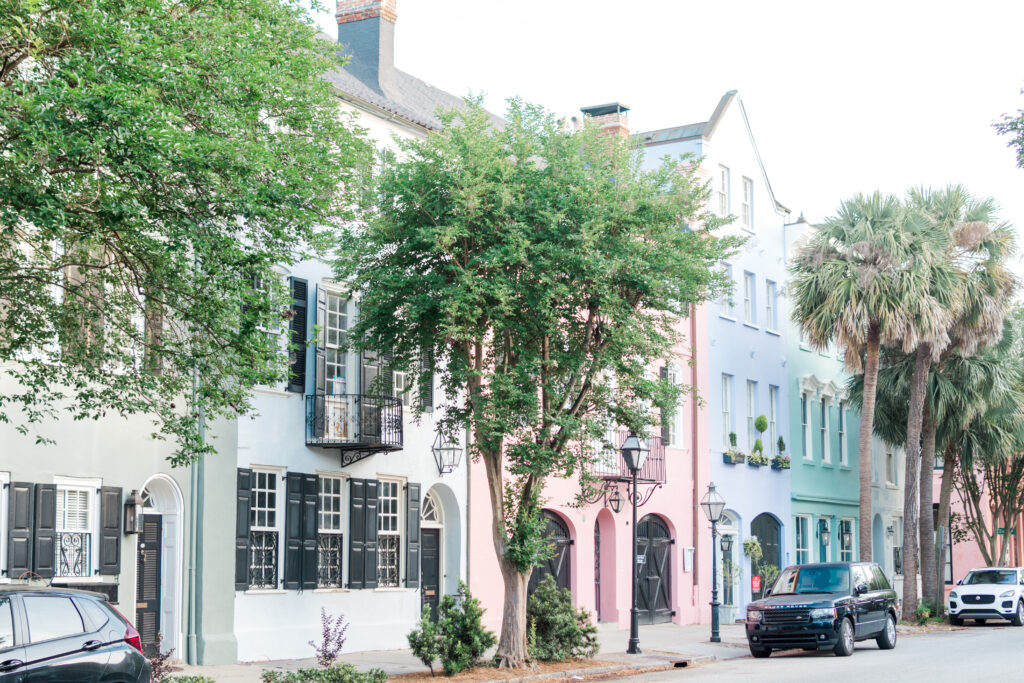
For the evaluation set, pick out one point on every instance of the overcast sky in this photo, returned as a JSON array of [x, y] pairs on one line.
[[875, 95]]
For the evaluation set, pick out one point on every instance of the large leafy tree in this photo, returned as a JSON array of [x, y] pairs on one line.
[[540, 273], [1013, 126], [157, 158], [856, 282]]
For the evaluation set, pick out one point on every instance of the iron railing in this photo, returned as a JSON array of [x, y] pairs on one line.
[[74, 553], [328, 560], [263, 559], [608, 462], [354, 422]]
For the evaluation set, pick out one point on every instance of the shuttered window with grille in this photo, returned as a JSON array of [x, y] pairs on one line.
[[74, 532], [330, 540]]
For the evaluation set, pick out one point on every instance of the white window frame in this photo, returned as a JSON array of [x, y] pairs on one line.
[[674, 373], [751, 414], [823, 429], [847, 554], [342, 520], [806, 549], [278, 527], [92, 488], [746, 213], [891, 469], [726, 408], [773, 417], [749, 298], [771, 320], [726, 307], [723, 191], [828, 546], [336, 386], [398, 516], [844, 456], [805, 425], [405, 388]]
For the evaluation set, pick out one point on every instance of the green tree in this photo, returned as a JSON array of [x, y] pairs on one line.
[[157, 159], [1013, 126], [540, 272], [857, 284]]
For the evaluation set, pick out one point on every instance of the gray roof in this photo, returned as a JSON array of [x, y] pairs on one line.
[[704, 129]]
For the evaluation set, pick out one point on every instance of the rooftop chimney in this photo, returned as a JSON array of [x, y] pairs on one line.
[[366, 29], [611, 117]]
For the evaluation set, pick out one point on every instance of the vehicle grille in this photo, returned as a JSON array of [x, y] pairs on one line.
[[793, 639], [787, 616], [978, 599]]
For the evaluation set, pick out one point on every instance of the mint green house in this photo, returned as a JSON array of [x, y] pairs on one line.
[[824, 481]]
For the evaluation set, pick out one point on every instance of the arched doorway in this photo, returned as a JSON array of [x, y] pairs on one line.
[[431, 552], [769, 534], [558, 564], [605, 566], [159, 556], [654, 571], [729, 565]]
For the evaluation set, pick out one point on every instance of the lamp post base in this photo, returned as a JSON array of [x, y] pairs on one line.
[[634, 647]]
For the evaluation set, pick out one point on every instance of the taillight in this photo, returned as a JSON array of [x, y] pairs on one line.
[[131, 636]]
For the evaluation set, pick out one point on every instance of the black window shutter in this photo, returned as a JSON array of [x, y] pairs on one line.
[[412, 535], [244, 493], [297, 327], [427, 386], [665, 415], [110, 530], [357, 532], [20, 520], [370, 533], [44, 550], [321, 341], [310, 525], [293, 531]]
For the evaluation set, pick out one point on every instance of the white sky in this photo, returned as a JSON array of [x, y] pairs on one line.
[[875, 95]]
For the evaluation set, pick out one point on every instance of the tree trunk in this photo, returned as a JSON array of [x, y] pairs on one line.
[[912, 479], [867, 425], [512, 649], [927, 526], [945, 493]]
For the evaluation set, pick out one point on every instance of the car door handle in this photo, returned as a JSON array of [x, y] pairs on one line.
[[92, 645], [11, 664]]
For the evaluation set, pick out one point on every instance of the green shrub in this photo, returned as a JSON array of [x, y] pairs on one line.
[[557, 629], [761, 424], [339, 673], [732, 439], [781, 443], [189, 679], [758, 446], [463, 640], [424, 640]]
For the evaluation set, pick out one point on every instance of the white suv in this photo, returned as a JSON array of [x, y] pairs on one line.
[[989, 593]]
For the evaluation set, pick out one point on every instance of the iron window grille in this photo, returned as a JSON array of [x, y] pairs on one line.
[[388, 535], [74, 554], [263, 559], [328, 560]]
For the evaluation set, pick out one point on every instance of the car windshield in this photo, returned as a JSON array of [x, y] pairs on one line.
[[1006, 577], [806, 580]]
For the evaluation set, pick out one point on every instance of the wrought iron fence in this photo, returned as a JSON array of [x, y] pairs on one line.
[[328, 560], [74, 553], [354, 420], [608, 463], [263, 559]]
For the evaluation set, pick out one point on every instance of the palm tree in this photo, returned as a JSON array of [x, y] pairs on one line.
[[851, 284]]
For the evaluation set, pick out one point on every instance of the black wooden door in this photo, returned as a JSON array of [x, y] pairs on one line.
[[430, 569], [558, 564], [147, 578], [768, 531], [654, 571]]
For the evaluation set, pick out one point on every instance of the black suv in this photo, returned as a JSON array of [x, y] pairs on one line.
[[50, 634], [824, 606]]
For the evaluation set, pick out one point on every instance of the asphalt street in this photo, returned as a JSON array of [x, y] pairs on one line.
[[970, 653]]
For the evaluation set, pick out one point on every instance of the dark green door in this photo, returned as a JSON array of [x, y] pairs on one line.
[[147, 582], [654, 571], [768, 532], [430, 568], [557, 565]]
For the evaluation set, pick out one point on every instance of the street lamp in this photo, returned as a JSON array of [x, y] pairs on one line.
[[826, 534], [615, 501], [447, 453], [133, 513], [634, 453], [713, 505]]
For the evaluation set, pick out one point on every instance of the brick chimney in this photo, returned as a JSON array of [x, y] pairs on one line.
[[366, 29], [611, 117]]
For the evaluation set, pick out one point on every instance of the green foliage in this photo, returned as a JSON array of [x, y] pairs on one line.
[[558, 630], [758, 447], [1012, 125], [781, 462], [752, 549], [463, 638], [761, 424], [158, 157], [757, 458], [424, 640], [732, 439], [781, 443], [924, 611], [337, 673], [189, 679]]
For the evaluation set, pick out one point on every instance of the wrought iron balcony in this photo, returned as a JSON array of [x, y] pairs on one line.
[[74, 553], [608, 463], [357, 424]]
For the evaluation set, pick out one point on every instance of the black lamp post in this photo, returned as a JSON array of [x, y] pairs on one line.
[[615, 501], [634, 453], [713, 505]]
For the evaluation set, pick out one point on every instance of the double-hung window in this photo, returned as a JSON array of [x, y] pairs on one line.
[[726, 408], [749, 300], [335, 328], [671, 426], [843, 457], [890, 467], [803, 547], [330, 541], [824, 430], [723, 191], [746, 213], [405, 388], [76, 511], [263, 532], [726, 301], [389, 534], [805, 426], [846, 540], [773, 417], [751, 413], [771, 320]]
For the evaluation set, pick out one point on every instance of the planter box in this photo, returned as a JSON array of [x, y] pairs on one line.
[[755, 464], [779, 465], [733, 458]]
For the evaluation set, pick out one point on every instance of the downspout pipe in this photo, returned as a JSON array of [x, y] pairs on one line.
[[192, 657]]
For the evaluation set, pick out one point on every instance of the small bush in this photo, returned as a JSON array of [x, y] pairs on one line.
[[557, 629], [732, 439], [332, 638], [924, 611], [188, 679], [781, 443], [424, 640], [758, 446], [761, 424], [462, 636], [339, 673], [159, 662]]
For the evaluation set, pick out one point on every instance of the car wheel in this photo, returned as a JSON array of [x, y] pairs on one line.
[[980, 622], [887, 638], [844, 648], [955, 621], [1018, 617], [760, 652]]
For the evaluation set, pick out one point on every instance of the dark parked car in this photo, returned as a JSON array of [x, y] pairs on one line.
[[51, 634], [824, 606]]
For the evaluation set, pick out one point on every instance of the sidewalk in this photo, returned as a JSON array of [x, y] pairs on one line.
[[663, 646]]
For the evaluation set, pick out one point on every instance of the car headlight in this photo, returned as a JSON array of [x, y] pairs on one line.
[[1006, 594], [823, 613], [953, 596], [755, 616]]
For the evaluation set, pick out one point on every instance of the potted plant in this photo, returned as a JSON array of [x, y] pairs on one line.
[[757, 457], [733, 456], [781, 461]]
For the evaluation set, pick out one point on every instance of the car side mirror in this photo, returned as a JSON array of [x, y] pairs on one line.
[[767, 592], [861, 588], [959, 581]]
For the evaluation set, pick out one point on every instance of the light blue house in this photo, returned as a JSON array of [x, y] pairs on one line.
[[747, 373]]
